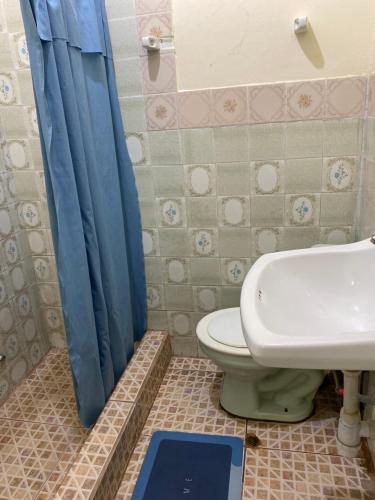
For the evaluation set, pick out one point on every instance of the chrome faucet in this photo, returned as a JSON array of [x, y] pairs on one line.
[[372, 239]]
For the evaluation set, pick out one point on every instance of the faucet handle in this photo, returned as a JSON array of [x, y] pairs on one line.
[[372, 239]]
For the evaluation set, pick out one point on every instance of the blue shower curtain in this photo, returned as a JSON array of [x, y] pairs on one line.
[[91, 192]]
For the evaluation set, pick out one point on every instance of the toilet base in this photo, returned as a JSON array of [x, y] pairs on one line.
[[284, 395]]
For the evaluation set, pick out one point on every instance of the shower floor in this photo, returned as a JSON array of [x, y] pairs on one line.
[[293, 461], [40, 434]]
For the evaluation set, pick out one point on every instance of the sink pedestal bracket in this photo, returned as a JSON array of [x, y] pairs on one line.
[[349, 431]]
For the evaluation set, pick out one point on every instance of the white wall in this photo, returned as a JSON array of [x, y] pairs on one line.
[[234, 42]]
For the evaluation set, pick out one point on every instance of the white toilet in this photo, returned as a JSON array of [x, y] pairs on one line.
[[249, 389]]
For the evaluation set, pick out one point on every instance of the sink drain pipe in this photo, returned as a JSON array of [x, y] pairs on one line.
[[351, 427]]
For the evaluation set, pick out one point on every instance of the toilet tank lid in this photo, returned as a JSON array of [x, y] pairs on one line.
[[225, 327]]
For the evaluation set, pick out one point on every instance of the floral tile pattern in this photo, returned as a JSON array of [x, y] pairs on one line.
[[229, 106], [306, 100], [158, 25], [161, 111]]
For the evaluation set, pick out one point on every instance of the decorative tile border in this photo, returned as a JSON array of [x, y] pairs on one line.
[[269, 103], [98, 468]]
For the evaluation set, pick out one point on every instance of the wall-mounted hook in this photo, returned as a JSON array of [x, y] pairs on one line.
[[151, 43], [300, 24]]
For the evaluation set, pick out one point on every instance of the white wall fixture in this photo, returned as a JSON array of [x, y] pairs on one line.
[[301, 25], [151, 43]]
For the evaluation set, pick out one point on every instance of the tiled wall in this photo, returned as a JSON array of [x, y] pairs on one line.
[[367, 209], [28, 291], [225, 175]]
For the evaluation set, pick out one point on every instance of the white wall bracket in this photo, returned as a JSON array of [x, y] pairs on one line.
[[151, 43], [301, 25]]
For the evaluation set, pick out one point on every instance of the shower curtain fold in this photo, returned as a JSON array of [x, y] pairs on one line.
[[91, 191]]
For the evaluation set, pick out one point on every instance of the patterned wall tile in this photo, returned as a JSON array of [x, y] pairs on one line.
[[194, 109], [302, 210], [234, 270], [340, 174], [159, 73], [266, 240], [21, 192], [158, 25], [179, 323], [176, 270], [229, 106], [203, 242], [267, 177], [200, 180], [172, 212], [346, 97], [266, 103], [161, 111], [151, 6], [8, 89], [371, 96], [306, 100], [234, 211], [206, 299]]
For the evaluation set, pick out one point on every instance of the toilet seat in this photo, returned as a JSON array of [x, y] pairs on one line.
[[225, 327], [212, 344]]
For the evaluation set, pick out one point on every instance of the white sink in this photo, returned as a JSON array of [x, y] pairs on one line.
[[312, 308]]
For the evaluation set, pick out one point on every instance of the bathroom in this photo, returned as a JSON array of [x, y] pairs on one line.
[[250, 130]]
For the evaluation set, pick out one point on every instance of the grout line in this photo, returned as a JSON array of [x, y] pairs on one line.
[[44, 423]]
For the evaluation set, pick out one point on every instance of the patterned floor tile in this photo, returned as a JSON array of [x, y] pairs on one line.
[[130, 383], [283, 475], [195, 364], [311, 436], [189, 388], [31, 453], [46, 396], [131, 474], [96, 451], [189, 401]]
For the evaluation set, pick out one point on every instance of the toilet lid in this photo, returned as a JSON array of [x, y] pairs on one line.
[[225, 327]]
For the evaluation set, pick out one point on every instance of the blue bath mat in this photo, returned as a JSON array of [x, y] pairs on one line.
[[179, 465]]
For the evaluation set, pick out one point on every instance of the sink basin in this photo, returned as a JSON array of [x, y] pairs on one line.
[[312, 308]]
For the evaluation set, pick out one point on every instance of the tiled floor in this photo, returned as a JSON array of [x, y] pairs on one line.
[[40, 434], [293, 461]]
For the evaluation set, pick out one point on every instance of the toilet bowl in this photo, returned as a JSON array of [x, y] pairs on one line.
[[249, 389]]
